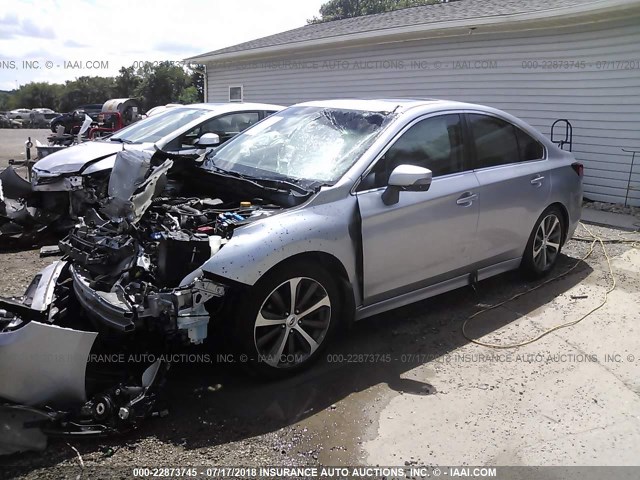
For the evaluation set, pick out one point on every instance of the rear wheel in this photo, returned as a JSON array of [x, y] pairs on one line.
[[288, 319], [545, 243]]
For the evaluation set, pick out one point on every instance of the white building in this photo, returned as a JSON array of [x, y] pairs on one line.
[[540, 60]]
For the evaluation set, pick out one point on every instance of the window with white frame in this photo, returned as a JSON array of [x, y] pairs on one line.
[[235, 93]]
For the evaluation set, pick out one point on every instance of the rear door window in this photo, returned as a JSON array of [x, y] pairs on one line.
[[495, 140], [499, 142]]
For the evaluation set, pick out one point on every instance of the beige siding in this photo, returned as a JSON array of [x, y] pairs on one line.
[[601, 98]]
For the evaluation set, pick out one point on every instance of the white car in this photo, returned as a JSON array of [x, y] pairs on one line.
[[19, 114], [67, 182], [162, 108], [177, 130], [45, 111]]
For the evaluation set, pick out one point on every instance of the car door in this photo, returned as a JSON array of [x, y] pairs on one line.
[[427, 236], [515, 185], [226, 126]]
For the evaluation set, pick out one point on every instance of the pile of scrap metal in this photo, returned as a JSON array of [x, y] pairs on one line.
[[129, 282]]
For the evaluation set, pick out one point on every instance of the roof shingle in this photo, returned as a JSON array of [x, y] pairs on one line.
[[424, 15]]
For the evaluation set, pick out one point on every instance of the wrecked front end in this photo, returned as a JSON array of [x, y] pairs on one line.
[[129, 283], [26, 216], [45, 208], [54, 381]]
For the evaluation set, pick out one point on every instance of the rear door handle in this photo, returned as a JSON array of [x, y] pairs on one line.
[[466, 199], [537, 180]]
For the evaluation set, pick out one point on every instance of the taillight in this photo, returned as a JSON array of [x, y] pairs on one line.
[[578, 168]]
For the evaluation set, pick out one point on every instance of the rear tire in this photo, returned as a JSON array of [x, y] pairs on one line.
[[279, 333], [545, 244]]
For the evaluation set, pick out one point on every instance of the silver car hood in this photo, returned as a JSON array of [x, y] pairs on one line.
[[73, 159]]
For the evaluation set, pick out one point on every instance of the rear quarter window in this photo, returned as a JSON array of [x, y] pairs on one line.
[[529, 147]]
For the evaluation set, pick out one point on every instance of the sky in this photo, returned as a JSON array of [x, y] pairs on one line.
[[57, 40]]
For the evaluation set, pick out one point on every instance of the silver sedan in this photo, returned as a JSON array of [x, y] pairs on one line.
[[321, 214], [411, 198]]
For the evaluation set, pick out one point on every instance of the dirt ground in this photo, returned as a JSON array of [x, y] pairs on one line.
[[405, 387]]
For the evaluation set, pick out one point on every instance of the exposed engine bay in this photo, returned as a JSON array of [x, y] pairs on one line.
[[129, 283]]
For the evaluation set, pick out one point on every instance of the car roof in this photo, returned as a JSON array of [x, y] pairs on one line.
[[390, 104], [232, 106]]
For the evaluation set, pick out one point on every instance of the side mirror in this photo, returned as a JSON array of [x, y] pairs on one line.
[[208, 140], [407, 178]]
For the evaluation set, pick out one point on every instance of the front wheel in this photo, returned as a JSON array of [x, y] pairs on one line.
[[288, 318], [545, 243]]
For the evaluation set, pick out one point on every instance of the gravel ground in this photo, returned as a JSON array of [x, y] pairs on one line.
[[613, 208], [327, 415]]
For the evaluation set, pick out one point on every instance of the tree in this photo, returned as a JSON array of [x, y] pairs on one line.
[[153, 84], [339, 9], [189, 95], [161, 84], [36, 95], [168, 83], [126, 83], [198, 73], [86, 90], [5, 99]]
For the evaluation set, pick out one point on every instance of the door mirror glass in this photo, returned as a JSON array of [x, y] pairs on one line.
[[208, 140], [408, 178]]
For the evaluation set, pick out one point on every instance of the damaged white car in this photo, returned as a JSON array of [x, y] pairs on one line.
[[322, 213], [64, 184]]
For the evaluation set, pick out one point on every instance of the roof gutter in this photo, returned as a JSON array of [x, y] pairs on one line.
[[573, 12]]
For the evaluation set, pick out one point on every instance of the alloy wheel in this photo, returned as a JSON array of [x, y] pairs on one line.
[[292, 322], [546, 244]]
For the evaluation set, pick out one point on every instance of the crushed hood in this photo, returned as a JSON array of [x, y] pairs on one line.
[[133, 183], [73, 159]]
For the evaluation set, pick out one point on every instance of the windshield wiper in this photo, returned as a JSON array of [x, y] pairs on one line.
[[284, 183], [275, 184], [246, 178], [121, 140]]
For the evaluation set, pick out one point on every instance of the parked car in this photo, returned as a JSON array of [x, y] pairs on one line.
[[161, 108], [321, 214], [6, 122], [91, 109], [73, 119], [65, 183], [19, 114], [47, 114]]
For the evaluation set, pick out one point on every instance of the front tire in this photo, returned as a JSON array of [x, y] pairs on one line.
[[288, 319], [545, 243]]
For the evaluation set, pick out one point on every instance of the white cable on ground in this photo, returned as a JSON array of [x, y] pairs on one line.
[[594, 240]]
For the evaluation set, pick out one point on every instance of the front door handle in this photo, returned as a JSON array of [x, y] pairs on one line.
[[537, 180], [466, 199]]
